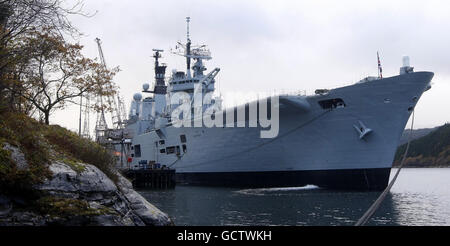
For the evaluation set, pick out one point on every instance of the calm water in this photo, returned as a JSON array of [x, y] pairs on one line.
[[419, 197]]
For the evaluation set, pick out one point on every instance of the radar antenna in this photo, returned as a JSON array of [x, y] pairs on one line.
[[157, 55], [196, 52]]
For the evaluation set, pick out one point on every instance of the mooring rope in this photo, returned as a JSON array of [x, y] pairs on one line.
[[173, 163], [368, 214]]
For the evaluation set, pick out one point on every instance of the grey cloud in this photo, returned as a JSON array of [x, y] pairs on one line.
[[270, 45]]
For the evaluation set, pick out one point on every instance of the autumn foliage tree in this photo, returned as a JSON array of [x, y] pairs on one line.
[[29, 70], [19, 18], [40, 71], [55, 72]]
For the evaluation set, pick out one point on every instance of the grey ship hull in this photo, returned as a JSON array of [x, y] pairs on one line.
[[316, 146]]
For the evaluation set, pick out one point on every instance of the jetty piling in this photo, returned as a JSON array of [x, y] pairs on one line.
[[152, 178]]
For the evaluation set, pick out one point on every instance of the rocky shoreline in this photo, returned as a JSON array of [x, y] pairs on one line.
[[85, 196]]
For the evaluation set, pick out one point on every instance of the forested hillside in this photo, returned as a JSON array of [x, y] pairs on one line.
[[432, 150]]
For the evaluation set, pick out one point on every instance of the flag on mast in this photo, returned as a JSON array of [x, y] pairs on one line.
[[380, 70]]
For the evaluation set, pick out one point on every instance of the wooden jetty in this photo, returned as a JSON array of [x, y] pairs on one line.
[[151, 178]]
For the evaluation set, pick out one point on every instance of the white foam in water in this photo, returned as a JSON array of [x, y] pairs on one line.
[[266, 190]]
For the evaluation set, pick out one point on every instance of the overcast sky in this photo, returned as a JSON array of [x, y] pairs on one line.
[[262, 46]]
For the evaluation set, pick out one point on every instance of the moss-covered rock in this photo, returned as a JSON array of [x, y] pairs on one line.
[[53, 177], [85, 198], [42, 144], [67, 207]]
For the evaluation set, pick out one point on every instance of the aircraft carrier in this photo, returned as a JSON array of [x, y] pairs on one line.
[[342, 138]]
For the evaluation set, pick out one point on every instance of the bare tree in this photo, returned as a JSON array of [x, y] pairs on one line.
[[22, 16]]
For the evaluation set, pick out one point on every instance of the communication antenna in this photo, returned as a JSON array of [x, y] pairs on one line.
[[188, 49], [188, 19], [380, 70]]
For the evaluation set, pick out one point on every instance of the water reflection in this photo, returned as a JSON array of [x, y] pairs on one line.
[[219, 206], [310, 205], [419, 209]]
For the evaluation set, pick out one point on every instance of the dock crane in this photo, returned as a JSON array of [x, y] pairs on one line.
[[117, 107]]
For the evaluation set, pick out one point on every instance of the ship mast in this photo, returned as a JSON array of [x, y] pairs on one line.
[[160, 88], [196, 52]]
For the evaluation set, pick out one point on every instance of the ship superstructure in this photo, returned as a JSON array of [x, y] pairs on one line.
[[338, 138], [150, 113]]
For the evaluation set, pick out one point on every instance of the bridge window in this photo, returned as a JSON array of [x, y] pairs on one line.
[[170, 150], [137, 150], [332, 103], [183, 138]]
